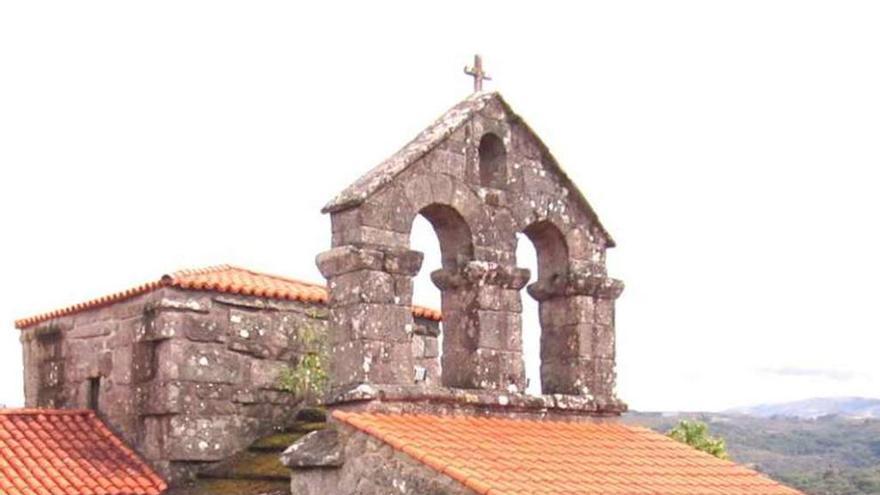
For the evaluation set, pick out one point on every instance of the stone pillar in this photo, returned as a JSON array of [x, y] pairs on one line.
[[371, 320], [577, 334], [482, 326]]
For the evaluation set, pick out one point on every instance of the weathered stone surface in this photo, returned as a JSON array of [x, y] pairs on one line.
[[481, 273], [320, 448], [189, 377], [370, 236], [201, 358], [96, 329], [207, 438], [347, 258], [180, 301], [481, 177], [372, 468], [209, 363], [265, 374], [365, 286]]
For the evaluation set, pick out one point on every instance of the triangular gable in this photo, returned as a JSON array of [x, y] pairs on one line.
[[385, 173]]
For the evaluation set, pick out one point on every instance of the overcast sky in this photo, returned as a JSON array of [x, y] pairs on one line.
[[731, 148]]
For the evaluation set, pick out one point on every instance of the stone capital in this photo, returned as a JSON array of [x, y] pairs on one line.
[[577, 284], [478, 273]]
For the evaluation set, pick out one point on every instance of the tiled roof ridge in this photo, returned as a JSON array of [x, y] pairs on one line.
[[173, 277], [738, 477], [94, 303], [179, 279]]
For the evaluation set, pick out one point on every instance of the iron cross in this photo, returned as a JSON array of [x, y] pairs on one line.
[[477, 73]]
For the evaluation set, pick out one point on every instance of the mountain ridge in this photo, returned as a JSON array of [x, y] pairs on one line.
[[813, 408]]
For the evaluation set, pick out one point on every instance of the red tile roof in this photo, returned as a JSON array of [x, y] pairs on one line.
[[67, 452], [500, 456], [221, 278]]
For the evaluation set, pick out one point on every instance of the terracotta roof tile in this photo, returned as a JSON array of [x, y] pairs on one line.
[[221, 278], [68, 452], [500, 456]]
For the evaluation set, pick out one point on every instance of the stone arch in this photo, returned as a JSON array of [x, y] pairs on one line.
[[481, 178], [431, 192], [453, 233], [457, 329], [551, 247], [492, 160], [558, 342]]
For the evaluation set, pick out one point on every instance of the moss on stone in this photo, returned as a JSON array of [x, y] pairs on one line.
[[308, 427], [257, 470], [312, 415], [277, 442], [251, 465], [232, 487]]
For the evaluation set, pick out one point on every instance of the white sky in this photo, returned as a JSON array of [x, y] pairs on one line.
[[731, 148]]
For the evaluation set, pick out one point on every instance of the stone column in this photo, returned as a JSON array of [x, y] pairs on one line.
[[482, 326], [371, 320], [577, 334]]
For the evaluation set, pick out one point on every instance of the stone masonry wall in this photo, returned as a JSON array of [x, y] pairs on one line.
[[372, 467], [209, 385], [185, 377], [64, 358]]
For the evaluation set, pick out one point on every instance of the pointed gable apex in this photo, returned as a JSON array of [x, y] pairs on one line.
[[453, 119]]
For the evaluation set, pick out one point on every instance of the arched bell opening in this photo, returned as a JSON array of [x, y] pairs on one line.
[[559, 338], [551, 250], [446, 354], [493, 161]]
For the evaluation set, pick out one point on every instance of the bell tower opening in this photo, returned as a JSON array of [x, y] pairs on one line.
[[493, 161]]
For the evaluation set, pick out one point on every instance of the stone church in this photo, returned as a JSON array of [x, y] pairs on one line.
[[185, 369]]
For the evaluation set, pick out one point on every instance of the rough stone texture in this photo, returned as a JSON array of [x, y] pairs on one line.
[[187, 378], [317, 449], [396, 399], [480, 176], [373, 468]]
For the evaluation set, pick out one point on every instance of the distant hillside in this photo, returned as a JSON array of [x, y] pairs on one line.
[[832, 455], [847, 407]]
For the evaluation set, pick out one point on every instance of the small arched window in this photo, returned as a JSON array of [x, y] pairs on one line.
[[493, 161]]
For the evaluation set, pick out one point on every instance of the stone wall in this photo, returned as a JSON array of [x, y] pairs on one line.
[[372, 467], [87, 357], [185, 377]]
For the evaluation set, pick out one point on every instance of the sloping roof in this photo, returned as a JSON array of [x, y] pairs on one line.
[[67, 452], [220, 278], [384, 173], [500, 456]]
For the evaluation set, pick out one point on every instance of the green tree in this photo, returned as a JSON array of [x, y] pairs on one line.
[[696, 434]]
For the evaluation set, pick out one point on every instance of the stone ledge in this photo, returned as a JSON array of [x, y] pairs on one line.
[[348, 258], [478, 273], [442, 399], [577, 284], [320, 448]]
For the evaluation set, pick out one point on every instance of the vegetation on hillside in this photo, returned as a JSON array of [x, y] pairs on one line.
[[696, 434], [825, 456]]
